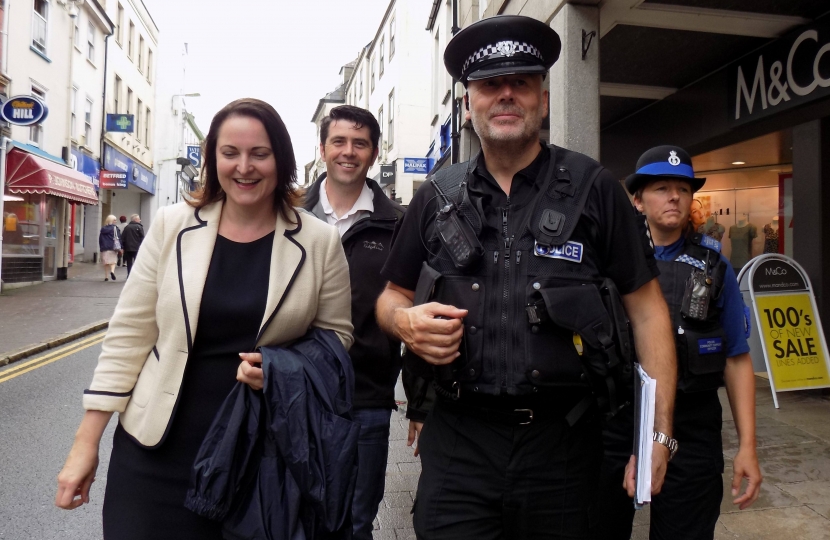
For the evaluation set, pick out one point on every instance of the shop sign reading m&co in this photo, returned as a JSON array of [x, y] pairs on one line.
[[791, 71]]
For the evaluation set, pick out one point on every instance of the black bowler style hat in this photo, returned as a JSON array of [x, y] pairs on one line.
[[502, 45], [663, 162]]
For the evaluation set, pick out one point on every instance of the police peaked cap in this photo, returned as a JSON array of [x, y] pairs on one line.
[[663, 162], [502, 45]]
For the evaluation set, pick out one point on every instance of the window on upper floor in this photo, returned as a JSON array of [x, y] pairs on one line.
[[138, 123], [391, 37], [129, 101], [88, 122], [372, 76], [147, 128], [130, 38], [40, 25], [90, 43], [380, 123], [36, 131], [116, 94], [73, 104], [119, 24], [390, 133], [76, 36], [149, 65], [141, 54], [380, 58], [361, 82]]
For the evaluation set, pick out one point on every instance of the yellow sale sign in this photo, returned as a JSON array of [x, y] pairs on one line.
[[792, 340]]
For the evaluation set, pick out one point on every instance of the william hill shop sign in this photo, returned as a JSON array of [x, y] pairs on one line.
[[789, 72], [24, 111]]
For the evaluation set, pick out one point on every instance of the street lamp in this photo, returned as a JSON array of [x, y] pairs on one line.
[[174, 96]]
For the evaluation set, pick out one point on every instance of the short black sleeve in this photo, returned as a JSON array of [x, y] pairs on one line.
[[623, 251], [403, 265]]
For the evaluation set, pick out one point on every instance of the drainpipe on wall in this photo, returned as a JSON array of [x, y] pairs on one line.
[[3, 145]]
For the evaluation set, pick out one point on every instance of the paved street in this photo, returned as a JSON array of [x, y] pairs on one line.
[[40, 407]]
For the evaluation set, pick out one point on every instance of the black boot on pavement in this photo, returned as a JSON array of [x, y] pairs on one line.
[[112, 275]]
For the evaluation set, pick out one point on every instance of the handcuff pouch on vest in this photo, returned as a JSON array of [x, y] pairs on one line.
[[595, 316]]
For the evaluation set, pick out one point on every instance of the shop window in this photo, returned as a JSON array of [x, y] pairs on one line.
[[79, 223], [21, 225], [40, 25]]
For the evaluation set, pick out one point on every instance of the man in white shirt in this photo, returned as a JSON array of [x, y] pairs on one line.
[[344, 197]]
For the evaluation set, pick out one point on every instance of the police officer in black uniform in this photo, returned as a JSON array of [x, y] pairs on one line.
[[710, 323], [505, 278]]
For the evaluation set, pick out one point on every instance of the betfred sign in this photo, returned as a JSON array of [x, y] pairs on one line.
[[789, 72], [24, 111], [113, 180]]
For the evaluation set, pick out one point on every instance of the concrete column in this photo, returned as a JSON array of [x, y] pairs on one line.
[[811, 208], [574, 82]]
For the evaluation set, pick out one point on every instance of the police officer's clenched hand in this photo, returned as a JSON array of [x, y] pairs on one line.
[[432, 331]]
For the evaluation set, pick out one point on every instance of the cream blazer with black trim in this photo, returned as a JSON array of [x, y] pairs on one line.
[[139, 373]]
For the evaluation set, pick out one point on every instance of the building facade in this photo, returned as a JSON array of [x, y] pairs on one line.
[[130, 90], [388, 79], [53, 57]]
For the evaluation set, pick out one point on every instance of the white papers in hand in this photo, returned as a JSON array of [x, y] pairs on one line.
[[643, 434]]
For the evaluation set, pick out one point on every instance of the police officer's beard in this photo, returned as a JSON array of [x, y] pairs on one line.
[[508, 140]]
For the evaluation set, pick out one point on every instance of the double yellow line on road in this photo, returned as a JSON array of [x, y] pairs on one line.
[[54, 356]]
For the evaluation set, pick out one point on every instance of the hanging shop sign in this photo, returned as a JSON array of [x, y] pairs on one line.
[[194, 154], [387, 174], [787, 328], [789, 72], [120, 123], [113, 180], [416, 165], [24, 111]]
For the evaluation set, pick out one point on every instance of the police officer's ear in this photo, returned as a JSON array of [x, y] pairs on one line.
[[467, 105]]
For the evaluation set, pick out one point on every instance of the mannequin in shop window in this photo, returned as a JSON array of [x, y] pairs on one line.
[[771, 236], [742, 234], [712, 228]]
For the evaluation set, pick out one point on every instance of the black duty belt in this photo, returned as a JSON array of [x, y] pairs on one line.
[[514, 410]]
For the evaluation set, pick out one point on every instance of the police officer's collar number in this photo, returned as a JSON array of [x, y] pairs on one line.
[[569, 251]]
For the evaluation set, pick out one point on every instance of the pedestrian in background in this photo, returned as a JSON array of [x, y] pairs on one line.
[[238, 268], [366, 218], [131, 239], [711, 325], [109, 243], [123, 220]]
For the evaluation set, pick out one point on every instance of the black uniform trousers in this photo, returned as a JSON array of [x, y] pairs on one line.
[[487, 476], [688, 506]]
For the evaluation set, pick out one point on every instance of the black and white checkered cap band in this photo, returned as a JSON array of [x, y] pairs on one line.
[[503, 49]]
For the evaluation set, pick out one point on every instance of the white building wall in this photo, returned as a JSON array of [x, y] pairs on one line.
[[406, 74]]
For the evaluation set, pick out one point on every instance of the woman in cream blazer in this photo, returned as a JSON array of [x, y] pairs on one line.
[[250, 183]]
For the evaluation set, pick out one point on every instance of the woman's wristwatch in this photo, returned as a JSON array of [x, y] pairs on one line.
[[666, 441]]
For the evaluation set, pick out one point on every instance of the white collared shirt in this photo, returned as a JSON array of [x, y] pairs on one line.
[[363, 205]]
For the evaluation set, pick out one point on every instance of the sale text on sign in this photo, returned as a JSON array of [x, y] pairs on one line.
[[792, 341]]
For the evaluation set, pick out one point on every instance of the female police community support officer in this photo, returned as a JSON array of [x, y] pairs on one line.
[[711, 325], [529, 241]]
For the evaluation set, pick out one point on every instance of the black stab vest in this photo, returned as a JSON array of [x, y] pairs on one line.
[[701, 347], [502, 351]]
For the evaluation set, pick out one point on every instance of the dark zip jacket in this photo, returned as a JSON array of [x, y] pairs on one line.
[[375, 356], [132, 236], [281, 463]]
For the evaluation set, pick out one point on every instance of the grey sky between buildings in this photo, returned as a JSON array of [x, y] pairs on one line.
[[285, 52]]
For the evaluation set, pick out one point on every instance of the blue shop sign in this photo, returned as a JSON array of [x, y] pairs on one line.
[[194, 154], [120, 123], [88, 166], [417, 165], [24, 111], [137, 175]]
